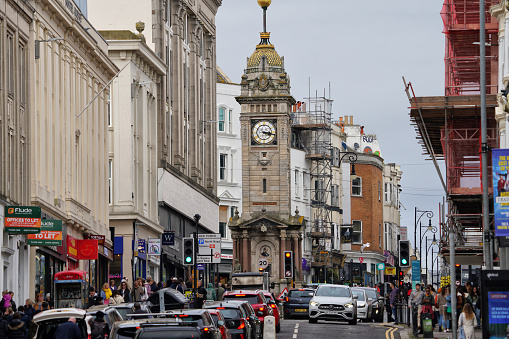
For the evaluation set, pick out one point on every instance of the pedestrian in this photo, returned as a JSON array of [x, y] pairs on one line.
[[152, 284], [93, 298], [427, 302], [415, 303], [69, 330], [448, 310], [98, 327], [16, 329], [388, 308], [189, 283], [139, 291], [24, 318], [211, 292], [124, 291], [145, 284], [3, 327], [9, 313], [13, 303], [112, 285], [49, 300], [138, 310], [106, 293], [6, 301], [467, 321], [476, 304], [39, 298], [220, 291], [393, 298], [174, 283], [29, 310], [116, 298], [441, 304], [201, 295], [45, 306]]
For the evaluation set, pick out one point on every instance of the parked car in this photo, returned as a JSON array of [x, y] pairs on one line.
[[220, 322], [111, 315], [125, 329], [252, 317], [363, 304], [271, 300], [201, 317], [127, 308], [333, 302], [297, 302], [236, 318], [377, 304], [173, 300], [45, 324]]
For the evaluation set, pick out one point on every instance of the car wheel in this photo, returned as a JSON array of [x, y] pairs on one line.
[[313, 320], [278, 328], [353, 322]]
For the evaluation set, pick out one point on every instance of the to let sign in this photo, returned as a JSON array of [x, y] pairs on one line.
[[22, 219], [51, 234]]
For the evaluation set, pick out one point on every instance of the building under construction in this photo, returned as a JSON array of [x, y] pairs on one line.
[[448, 127]]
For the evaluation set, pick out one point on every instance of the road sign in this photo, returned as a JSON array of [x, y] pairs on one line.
[[390, 271], [416, 270], [200, 267], [210, 244], [403, 233], [361, 259], [203, 260], [380, 266], [458, 282], [263, 263], [283, 294]]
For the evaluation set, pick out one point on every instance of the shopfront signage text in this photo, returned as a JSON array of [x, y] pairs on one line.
[[22, 219]]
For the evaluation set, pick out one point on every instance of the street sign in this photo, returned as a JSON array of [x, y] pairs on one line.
[[263, 263], [168, 238], [210, 245], [200, 267], [380, 266], [416, 270], [458, 282], [203, 260], [390, 271], [283, 294], [361, 259]]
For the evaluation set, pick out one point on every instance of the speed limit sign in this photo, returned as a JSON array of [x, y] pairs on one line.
[[263, 263]]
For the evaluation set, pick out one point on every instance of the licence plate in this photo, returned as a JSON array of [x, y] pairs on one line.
[[300, 310]]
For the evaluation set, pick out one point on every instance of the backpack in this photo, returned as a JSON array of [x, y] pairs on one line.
[[99, 329]]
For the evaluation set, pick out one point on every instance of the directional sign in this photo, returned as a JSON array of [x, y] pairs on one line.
[[203, 260], [283, 294], [210, 245], [200, 267], [380, 266]]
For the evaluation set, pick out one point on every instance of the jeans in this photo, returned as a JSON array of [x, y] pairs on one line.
[[440, 321], [478, 316], [394, 314]]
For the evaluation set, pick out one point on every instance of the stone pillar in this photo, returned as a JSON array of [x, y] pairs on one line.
[[297, 256], [245, 254], [235, 253]]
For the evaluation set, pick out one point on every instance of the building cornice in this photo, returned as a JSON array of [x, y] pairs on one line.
[[23, 8], [142, 50]]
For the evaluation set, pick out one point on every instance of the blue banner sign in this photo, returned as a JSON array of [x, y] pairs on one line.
[[416, 270], [500, 157]]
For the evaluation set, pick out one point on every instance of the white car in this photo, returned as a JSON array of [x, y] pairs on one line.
[[363, 305], [333, 302], [45, 324]]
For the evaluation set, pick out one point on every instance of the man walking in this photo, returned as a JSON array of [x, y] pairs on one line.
[[393, 298], [416, 304], [69, 330]]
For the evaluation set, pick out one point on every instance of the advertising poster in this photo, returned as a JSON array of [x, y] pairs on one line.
[[22, 219], [500, 191], [154, 246], [498, 313], [50, 235]]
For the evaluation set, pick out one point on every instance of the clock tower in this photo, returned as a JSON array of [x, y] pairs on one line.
[[267, 227]]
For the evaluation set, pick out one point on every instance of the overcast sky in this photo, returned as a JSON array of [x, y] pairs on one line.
[[362, 48]]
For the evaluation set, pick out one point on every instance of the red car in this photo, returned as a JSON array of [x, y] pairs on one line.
[[255, 298], [220, 322], [272, 303]]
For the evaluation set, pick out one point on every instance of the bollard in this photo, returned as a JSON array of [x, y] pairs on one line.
[[269, 327]]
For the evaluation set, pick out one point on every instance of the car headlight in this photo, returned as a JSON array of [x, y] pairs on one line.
[[361, 304], [313, 303], [349, 305]]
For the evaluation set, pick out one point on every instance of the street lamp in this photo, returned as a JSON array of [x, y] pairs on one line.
[[433, 242], [417, 221], [431, 228], [439, 255]]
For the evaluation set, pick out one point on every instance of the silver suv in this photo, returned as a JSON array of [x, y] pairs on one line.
[[333, 302]]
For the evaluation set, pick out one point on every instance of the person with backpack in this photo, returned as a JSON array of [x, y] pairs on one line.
[[98, 327], [17, 329], [3, 327]]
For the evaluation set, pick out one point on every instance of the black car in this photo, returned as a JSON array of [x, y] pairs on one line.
[[171, 329], [256, 324], [377, 303], [201, 317], [297, 302], [236, 318]]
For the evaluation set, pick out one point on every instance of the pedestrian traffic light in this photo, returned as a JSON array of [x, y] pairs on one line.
[[288, 264], [457, 273], [404, 253], [188, 250]]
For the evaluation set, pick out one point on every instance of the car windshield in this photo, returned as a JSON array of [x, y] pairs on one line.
[[359, 294], [300, 294], [252, 299], [371, 294], [332, 291], [171, 333], [190, 318]]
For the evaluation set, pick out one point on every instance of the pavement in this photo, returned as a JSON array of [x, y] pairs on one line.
[[407, 334]]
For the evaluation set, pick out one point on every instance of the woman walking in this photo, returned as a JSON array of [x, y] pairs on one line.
[[38, 301], [467, 321], [106, 293], [476, 304], [447, 310], [116, 298], [124, 291], [441, 304]]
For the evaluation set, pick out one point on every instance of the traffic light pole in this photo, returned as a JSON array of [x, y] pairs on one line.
[[452, 251]]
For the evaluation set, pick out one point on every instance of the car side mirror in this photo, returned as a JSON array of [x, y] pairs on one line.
[[356, 297]]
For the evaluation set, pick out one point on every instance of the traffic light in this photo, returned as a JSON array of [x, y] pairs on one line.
[[404, 253], [457, 273], [288, 264], [188, 250]]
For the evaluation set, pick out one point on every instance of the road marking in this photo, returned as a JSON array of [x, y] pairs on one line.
[[295, 336], [296, 331], [389, 334]]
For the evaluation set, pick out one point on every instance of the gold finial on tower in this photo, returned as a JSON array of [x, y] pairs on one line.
[[264, 3]]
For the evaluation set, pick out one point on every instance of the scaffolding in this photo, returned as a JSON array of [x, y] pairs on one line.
[[312, 126]]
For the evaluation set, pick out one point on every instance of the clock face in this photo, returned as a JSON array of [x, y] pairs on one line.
[[264, 132]]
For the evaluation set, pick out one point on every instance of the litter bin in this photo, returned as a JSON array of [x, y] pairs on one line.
[[427, 325]]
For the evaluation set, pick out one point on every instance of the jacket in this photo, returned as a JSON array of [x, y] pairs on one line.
[[16, 329], [3, 328], [69, 330], [116, 300], [126, 294]]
